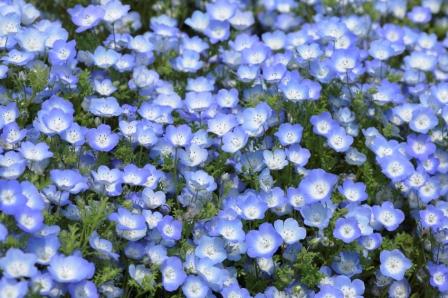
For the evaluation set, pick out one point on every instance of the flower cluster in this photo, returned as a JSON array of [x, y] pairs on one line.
[[270, 148]]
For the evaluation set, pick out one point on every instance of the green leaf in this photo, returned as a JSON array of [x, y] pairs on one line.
[[38, 78], [106, 273], [307, 268], [70, 239]]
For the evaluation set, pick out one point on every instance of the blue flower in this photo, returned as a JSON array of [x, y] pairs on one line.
[[140, 44], [213, 275], [317, 185], [273, 73], [193, 155], [86, 288], [396, 167], [135, 250], [102, 138], [264, 242], [105, 58], [129, 225], [349, 287], [438, 276], [18, 58], [381, 49], [388, 92], [178, 136], [211, 248], [3, 73], [170, 228], [195, 287], [29, 220], [125, 63], [199, 21], [235, 291], [323, 123], [11, 197], [289, 134], [199, 181], [195, 44], [9, 113], [35, 152], [114, 10], [105, 175], [198, 101], [248, 73], [353, 191], [255, 119], [242, 20], [394, 264], [102, 246], [346, 229], [252, 206], [143, 78], [69, 180], [221, 124], [13, 288], [274, 40], [298, 155], [309, 52], [43, 282], [12, 165], [371, 242], [75, 134], [12, 134], [135, 176], [420, 14], [432, 217], [440, 92], [420, 146], [157, 253], [62, 52], [221, 10], [290, 230], [295, 90], [363, 215], [345, 60], [330, 292], [217, 31], [10, 23], [231, 229], [256, 54], [104, 107], [189, 61], [421, 61], [17, 264], [31, 40], [347, 263], [43, 248], [339, 140], [86, 17], [54, 120], [235, 140], [423, 120], [227, 98], [173, 275], [388, 216], [70, 269], [59, 198], [316, 215], [164, 25], [275, 160]]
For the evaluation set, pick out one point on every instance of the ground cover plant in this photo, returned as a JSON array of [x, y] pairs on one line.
[[228, 148]]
